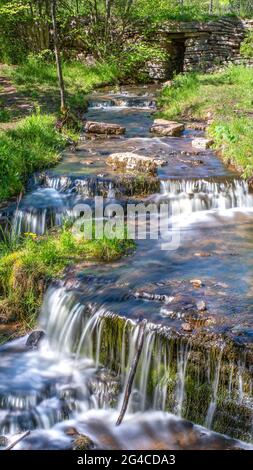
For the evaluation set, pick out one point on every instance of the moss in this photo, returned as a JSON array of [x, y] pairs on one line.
[[197, 399], [111, 349], [83, 442], [203, 354]]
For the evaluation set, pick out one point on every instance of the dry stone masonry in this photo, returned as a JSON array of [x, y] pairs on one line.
[[197, 46]]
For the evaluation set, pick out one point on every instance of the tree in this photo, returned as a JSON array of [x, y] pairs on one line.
[[58, 57]]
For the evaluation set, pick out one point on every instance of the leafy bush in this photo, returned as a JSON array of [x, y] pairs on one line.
[[247, 45], [133, 59]]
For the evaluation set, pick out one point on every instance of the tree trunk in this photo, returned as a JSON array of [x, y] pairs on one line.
[[58, 58], [211, 7]]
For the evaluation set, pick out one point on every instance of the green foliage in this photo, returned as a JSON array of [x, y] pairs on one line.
[[234, 138], [12, 19], [91, 26], [37, 78], [28, 264], [247, 45], [133, 59], [183, 89], [32, 146], [226, 97]]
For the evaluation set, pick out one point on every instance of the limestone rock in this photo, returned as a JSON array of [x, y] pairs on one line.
[[201, 306], [196, 282], [133, 162], [202, 143], [167, 128], [187, 327], [168, 84], [94, 127]]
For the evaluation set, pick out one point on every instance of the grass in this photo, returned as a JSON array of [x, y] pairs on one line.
[[225, 98], [36, 80], [32, 146], [28, 264]]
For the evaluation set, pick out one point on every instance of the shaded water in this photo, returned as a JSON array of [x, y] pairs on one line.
[[78, 375]]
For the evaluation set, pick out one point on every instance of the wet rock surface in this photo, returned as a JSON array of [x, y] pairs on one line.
[[167, 128], [34, 339], [202, 143], [103, 128], [133, 162]]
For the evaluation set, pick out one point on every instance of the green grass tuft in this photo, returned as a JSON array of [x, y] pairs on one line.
[[28, 264], [32, 146]]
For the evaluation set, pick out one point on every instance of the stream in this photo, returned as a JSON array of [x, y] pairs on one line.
[[193, 389]]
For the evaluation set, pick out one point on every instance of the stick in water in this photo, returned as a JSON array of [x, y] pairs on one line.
[[132, 372], [18, 440]]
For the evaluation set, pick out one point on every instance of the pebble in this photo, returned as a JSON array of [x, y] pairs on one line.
[[196, 282], [202, 254], [186, 327], [3, 441], [201, 306]]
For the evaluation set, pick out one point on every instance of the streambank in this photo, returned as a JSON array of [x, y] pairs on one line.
[[221, 100], [197, 298]]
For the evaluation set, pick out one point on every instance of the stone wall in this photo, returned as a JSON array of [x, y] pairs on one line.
[[200, 46]]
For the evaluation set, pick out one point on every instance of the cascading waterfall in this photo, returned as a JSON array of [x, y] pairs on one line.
[[42, 209], [82, 363], [187, 196], [167, 364], [184, 197], [121, 103]]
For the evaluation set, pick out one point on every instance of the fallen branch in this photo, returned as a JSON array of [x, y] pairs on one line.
[[17, 440], [132, 372]]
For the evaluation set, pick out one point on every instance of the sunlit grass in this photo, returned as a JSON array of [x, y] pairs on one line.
[[32, 146], [28, 264], [226, 98]]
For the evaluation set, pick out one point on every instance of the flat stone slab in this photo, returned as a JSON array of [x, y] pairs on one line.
[[94, 127], [202, 143], [134, 162], [167, 128]]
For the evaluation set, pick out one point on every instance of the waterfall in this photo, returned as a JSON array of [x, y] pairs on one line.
[[167, 364], [121, 102], [187, 196], [42, 209]]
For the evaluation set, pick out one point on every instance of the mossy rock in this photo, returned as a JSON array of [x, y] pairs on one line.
[[83, 442]]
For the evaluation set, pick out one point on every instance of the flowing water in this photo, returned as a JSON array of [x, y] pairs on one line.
[[78, 374]]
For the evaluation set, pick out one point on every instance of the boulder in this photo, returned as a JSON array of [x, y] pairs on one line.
[[167, 128], [133, 162], [94, 127], [202, 143], [34, 339]]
